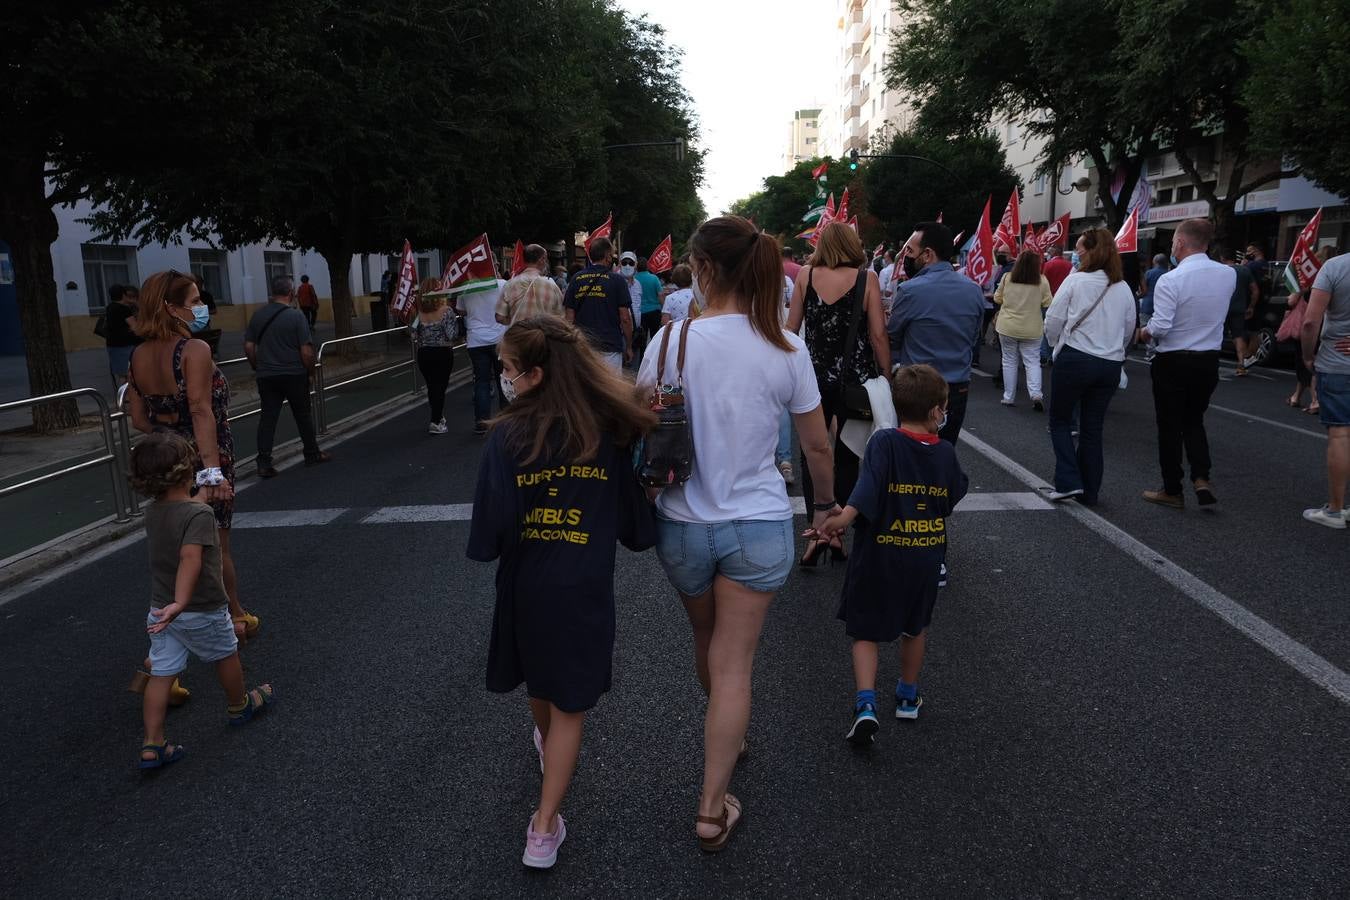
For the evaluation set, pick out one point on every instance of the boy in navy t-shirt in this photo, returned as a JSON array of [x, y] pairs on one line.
[[908, 484]]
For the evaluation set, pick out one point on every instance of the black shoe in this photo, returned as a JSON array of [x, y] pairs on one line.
[[1038, 405], [318, 460], [266, 470], [1205, 494]]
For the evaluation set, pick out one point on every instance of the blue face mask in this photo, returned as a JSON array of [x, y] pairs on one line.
[[1074, 259], [1175, 262], [201, 318]]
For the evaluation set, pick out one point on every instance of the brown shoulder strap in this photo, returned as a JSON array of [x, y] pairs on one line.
[[661, 358], [684, 342]]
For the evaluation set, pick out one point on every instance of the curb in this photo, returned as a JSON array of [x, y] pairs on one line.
[[99, 538]]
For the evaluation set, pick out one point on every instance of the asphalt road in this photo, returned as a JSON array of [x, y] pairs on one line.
[[1090, 729]]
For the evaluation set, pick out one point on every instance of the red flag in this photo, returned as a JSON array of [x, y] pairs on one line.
[[828, 216], [1127, 239], [1010, 226], [1055, 233], [471, 268], [604, 231], [662, 258], [1029, 241], [518, 258], [1303, 260], [407, 280], [819, 170], [841, 214], [979, 266]]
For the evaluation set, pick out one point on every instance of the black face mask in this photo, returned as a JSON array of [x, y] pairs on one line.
[[911, 266]]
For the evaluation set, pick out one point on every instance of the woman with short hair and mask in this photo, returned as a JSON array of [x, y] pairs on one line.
[[174, 385]]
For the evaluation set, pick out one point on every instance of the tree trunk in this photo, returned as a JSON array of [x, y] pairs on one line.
[[29, 226], [340, 283], [1223, 213]]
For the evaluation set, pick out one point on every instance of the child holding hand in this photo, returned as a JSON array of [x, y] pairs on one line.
[[556, 491], [189, 609], [908, 484]]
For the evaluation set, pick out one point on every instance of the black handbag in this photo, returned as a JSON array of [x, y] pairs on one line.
[[857, 401], [667, 454]]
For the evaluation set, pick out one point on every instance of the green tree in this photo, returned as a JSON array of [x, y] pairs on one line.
[[904, 192], [780, 207], [1297, 92]]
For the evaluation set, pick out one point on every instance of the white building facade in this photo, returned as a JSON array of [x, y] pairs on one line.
[[803, 137], [861, 109]]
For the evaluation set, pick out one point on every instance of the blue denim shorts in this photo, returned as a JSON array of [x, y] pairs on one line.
[[209, 636], [755, 553], [1333, 397]]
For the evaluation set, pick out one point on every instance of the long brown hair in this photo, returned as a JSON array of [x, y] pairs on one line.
[[1101, 254], [579, 402], [154, 322], [1028, 268], [747, 264]]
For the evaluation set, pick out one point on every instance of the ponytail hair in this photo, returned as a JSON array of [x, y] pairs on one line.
[[747, 264]]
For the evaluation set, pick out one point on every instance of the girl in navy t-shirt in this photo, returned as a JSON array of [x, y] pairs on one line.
[[556, 491]]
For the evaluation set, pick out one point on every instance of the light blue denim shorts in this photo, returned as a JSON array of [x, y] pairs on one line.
[[755, 553], [209, 636]]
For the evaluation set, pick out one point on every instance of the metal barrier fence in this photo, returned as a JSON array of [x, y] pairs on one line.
[[113, 456], [321, 385]]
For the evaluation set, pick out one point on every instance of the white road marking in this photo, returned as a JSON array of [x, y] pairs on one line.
[[285, 518], [990, 502], [1286, 426], [1299, 657], [391, 515]]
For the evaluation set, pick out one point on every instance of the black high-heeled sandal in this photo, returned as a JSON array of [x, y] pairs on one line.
[[814, 554]]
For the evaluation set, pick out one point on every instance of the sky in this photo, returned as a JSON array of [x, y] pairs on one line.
[[748, 65]]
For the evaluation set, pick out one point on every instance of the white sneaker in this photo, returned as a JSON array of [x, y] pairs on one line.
[[1324, 516], [785, 469], [1063, 495], [438, 427], [1006, 401]]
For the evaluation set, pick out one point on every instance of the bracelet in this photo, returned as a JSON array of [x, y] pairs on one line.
[[210, 477], [825, 507]]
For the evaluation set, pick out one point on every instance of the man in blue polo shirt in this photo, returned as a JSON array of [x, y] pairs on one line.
[[936, 318], [597, 301]]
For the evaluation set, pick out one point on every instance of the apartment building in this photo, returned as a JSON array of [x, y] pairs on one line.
[[803, 137], [860, 108]]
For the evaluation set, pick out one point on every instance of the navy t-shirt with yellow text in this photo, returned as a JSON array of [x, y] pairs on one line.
[[596, 295], [553, 525], [908, 484]]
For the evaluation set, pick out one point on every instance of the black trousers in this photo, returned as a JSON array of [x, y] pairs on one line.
[[273, 390], [311, 315], [845, 463], [958, 394], [1183, 382], [436, 364]]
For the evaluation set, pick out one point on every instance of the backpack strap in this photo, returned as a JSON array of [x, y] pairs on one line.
[[851, 341]]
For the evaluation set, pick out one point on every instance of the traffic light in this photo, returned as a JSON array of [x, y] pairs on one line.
[[853, 160]]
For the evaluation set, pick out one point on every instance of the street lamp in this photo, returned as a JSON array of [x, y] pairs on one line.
[[1082, 184]]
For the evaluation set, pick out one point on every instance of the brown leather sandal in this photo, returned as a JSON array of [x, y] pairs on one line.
[[714, 844]]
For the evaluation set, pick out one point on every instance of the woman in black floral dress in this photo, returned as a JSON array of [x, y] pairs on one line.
[[825, 294], [174, 385]]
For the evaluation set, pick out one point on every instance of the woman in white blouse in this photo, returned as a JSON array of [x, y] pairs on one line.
[[725, 537], [1090, 323]]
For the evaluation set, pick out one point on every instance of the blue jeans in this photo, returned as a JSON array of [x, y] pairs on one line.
[[784, 452], [1080, 380], [755, 553], [485, 372]]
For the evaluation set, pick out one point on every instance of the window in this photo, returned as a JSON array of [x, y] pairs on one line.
[[1186, 193], [210, 266], [365, 273], [104, 266], [812, 124], [1164, 196], [275, 264], [1041, 181], [423, 266], [810, 140]]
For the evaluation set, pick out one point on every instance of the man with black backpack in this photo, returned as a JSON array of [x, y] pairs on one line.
[[278, 345]]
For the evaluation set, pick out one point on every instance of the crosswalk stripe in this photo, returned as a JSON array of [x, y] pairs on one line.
[[285, 518]]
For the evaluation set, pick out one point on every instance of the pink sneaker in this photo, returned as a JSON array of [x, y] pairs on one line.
[[539, 748], [541, 850]]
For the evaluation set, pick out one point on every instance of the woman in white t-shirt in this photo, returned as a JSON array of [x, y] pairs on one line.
[[679, 302], [725, 537], [1090, 323]]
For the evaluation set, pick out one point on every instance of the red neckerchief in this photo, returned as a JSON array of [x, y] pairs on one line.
[[921, 438]]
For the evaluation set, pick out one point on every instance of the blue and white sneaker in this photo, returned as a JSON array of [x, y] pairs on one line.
[[865, 725], [907, 709], [942, 576]]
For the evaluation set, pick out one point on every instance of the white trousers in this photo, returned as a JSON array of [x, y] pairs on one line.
[[1030, 353]]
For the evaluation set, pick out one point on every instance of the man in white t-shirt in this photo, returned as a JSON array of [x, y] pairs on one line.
[[483, 332]]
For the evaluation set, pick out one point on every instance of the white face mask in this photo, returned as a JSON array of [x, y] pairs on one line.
[[698, 292], [628, 271], [508, 386]]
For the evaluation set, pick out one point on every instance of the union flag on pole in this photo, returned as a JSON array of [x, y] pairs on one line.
[[662, 258], [1055, 233], [604, 231], [1127, 239], [1303, 262], [841, 214], [819, 170], [407, 280], [979, 266], [471, 268], [1010, 226], [518, 258], [1029, 241]]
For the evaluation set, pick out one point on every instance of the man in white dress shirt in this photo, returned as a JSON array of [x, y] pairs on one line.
[[1189, 306]]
